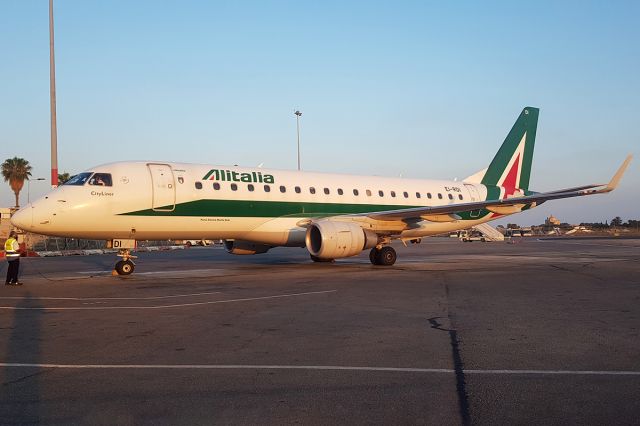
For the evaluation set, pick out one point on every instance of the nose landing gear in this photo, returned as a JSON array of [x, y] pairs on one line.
[[126, 265]]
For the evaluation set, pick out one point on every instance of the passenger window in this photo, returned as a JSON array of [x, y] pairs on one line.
[[234, 187], [79, 179], [451, 196], [355, 192], [428, 195], [312, 190], [393, 194], [439, 195], [297, 189], [460, 196], [198, 185], [216, 186], [406, 194], [340, 191], [283, 189], [417, 195], [250, 187], [326, 191], [267, 188], [368, 193], [380, 193], [100, 179]]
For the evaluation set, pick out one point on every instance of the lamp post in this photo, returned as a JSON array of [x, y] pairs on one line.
[[29, 188], [52, 100], [298, 115]]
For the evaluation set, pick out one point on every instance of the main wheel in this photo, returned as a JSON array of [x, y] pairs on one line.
[[387, 256], [320, 260], [124, 267], [374, 255]]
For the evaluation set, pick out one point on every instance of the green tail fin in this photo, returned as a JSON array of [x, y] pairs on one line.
[[511, 167]]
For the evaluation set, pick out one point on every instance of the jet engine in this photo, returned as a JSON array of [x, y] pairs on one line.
[[245, 247], [327, 239]]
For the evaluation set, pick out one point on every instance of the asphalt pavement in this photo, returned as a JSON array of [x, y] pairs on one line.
[[535, 332]]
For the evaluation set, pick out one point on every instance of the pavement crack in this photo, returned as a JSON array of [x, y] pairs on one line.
[[458, 364], [28, 376]]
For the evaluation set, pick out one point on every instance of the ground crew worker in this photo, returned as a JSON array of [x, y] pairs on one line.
[[12, 253]]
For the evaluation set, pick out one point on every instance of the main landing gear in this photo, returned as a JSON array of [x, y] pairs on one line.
[[384, 256], [126, 265]]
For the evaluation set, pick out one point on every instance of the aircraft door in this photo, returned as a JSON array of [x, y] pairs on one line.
[[163, 187]]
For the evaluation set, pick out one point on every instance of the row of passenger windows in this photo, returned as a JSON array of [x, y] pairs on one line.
[[327, 191]]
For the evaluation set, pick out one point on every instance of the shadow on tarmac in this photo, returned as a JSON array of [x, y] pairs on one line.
[[20, 389]]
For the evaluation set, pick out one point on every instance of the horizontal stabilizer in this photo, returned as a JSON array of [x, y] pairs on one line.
[[476, 177]]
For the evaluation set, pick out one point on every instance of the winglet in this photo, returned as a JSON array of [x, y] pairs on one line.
[[615, 180]]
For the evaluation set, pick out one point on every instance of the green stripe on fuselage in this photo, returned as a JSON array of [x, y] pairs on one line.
[[245, 208]]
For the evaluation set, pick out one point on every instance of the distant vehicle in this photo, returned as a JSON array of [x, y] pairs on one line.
[[333, 215], [203, 243], [469, 235], [524, 232]]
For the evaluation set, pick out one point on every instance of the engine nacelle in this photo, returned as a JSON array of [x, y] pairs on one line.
[[327, 239], [245, 247]]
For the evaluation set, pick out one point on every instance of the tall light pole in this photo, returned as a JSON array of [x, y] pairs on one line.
[[298, 115], [29, 188], [52, 95]]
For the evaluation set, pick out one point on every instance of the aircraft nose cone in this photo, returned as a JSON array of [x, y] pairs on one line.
[[23, 218]]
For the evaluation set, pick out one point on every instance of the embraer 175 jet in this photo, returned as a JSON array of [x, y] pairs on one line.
[[253, 209]]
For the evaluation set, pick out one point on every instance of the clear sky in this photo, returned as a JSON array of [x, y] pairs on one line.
[[419, 89]]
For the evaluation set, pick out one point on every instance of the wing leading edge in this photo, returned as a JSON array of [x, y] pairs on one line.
[[504, 206]]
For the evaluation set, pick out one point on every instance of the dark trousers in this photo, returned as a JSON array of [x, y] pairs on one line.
[[12, 271]]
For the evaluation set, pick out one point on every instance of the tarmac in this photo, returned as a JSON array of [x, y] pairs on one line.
[[534, 332]]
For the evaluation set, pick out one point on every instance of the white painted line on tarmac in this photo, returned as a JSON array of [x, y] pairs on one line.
[[181, 272], [115, 298], [315, 367], [168, 272], [181, 305], [225, 367], [558, 372], [582, 243]]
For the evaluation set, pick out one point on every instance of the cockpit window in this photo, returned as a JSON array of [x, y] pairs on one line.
[[100, 179], [79, 179]]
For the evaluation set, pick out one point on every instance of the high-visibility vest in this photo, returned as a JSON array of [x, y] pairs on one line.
[[9, 250]]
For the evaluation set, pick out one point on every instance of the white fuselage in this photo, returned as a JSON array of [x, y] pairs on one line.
[[178, 201]]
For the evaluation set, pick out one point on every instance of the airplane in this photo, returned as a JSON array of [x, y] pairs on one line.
[[255, 209]]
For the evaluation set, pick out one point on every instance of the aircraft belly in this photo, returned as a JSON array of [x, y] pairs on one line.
[[427, 228], [184, 227]]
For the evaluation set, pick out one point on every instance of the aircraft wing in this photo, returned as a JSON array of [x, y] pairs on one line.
[[446, 213]]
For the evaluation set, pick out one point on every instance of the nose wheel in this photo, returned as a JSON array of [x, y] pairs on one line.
[[126, 265]]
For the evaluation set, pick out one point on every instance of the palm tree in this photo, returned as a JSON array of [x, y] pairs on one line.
[[63, 177], [15, 171]]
